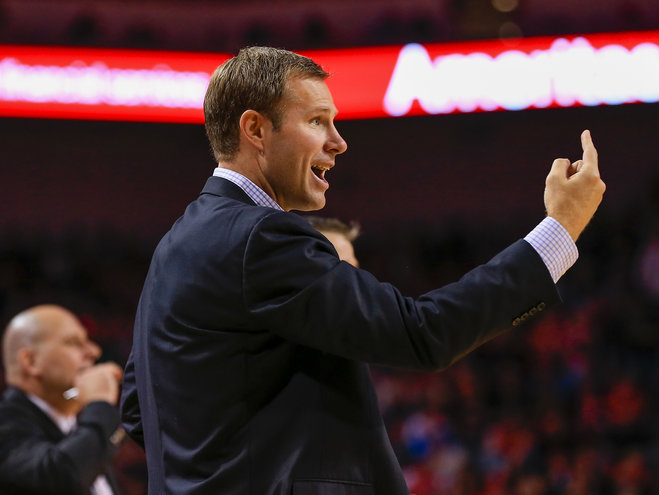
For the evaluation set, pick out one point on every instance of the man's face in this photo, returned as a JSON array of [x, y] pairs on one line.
[[63, 353], [343, 247], [298, 155]]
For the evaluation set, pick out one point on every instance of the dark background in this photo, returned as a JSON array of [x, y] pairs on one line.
[[137, 178]]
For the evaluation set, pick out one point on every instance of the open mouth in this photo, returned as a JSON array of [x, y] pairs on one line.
[[319, 171]]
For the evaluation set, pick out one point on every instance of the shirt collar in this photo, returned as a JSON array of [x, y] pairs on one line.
[[254, 192], [64, 423]]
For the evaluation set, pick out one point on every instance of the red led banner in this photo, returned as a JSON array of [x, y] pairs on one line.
[[100, 84]]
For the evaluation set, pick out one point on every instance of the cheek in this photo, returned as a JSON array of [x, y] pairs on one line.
[[43, 359], [45, 365], [57, 362]]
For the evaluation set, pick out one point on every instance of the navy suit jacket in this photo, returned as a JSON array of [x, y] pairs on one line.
[[248, 370], [36, 458]]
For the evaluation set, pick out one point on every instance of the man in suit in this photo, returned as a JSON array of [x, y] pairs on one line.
[[58, 413], [248, 372]]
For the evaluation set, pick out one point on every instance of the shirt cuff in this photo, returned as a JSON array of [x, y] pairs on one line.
[[554, 245]]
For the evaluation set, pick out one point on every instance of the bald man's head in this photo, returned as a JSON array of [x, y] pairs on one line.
[[25, 330], [46, 343]]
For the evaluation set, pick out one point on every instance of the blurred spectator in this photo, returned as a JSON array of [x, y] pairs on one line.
[[52, 442]]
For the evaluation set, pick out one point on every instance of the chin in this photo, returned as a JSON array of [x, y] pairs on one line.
[[311, 204], [316, 206]]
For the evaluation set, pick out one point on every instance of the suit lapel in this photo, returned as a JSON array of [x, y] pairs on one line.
[[20, 399]]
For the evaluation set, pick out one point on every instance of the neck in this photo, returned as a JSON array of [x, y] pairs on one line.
[[53, 398], [247, 168], [62, 405], [251, 169]]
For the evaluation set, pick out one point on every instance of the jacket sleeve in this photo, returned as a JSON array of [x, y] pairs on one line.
[[31, 463], [295, 286], [131, 416]]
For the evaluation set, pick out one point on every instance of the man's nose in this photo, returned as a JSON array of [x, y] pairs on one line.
[[336, 143], [93, 350]]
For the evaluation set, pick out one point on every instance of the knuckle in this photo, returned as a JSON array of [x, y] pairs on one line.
[[592, 177]]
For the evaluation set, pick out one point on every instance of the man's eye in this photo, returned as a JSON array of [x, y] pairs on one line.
[[316, 121]]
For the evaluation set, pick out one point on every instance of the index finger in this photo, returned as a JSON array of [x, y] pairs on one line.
[[589, 151]]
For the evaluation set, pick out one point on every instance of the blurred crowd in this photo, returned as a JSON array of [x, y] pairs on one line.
[[568, 405], [222, 25]]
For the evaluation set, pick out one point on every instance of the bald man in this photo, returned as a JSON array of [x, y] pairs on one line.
[[58, 414]]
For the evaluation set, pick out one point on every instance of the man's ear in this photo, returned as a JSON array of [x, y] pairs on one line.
[[252, 128], [26, 359]]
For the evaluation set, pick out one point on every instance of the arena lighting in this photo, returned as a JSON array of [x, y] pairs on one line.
[[99, 84]]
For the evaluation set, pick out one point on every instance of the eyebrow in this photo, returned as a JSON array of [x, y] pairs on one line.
[[325, 109]]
